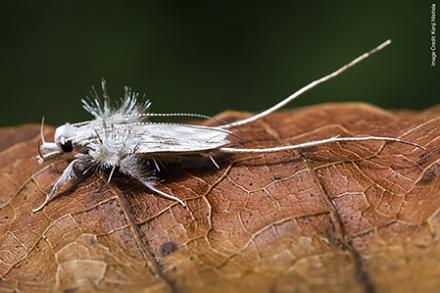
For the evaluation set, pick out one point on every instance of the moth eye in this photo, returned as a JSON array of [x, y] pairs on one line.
[[67, 146]]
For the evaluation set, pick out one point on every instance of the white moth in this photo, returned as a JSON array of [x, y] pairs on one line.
[[123, 138]]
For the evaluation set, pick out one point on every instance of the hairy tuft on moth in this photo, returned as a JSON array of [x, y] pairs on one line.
[[122, 137]]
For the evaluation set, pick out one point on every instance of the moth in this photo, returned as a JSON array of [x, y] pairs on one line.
[[123, 138]]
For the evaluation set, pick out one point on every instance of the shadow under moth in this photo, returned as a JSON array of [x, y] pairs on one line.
[[122, 137]]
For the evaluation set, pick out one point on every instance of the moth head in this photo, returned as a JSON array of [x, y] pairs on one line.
[[63, 137], [62, 143]]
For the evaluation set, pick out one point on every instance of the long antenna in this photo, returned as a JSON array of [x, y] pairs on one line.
[[307, 88], [319, 142]]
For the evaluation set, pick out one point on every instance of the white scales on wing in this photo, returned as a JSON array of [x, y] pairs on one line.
[[148, 137]]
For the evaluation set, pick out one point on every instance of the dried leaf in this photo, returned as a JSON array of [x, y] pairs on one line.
[[354, 217]]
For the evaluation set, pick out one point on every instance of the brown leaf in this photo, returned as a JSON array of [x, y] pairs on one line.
[[354, 217]]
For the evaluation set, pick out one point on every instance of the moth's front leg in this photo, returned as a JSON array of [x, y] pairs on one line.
[[67, 176]]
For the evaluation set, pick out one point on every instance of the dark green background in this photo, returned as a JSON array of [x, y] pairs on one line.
[[209, 56]]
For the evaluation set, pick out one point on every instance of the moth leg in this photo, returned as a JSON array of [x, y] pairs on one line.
[[67, 176], [150, 185], [138, 169], [156, 165], [214, 162], [111, 174]]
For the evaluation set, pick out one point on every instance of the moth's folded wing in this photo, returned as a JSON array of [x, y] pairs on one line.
[[174, 138]]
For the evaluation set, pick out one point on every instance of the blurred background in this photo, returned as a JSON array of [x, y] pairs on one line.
[[210, 56]]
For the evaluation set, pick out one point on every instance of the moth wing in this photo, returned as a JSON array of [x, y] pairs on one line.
[[172, 138]]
